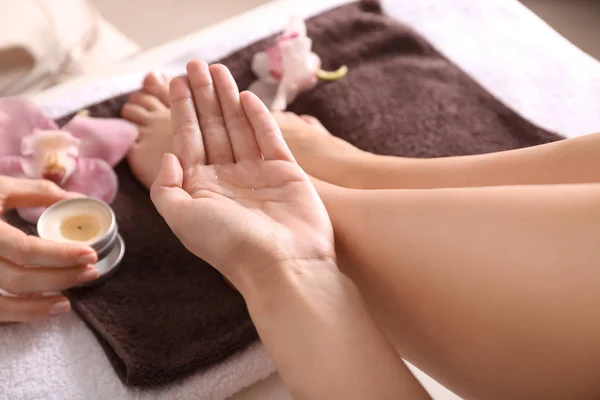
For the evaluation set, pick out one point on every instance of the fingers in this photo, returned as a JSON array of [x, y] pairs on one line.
[[187, 139], [20, 280], [30, 192], [17, 309], [212, 124], [268, 135], [22, 249], [240, 132], [166, 192]]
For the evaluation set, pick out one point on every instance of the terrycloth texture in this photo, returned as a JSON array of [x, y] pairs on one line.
[[167, 314], [532, 68]]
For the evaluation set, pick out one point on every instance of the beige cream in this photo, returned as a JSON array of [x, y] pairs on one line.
[[81, 227], [81, 220]]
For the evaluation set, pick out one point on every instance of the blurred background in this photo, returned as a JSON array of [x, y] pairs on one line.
[[46, 42], [577, 20]]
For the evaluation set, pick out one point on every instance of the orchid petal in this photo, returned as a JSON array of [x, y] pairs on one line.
[[296, 26], [95, 178], [287, 68], [299, 66], [280, 100], [40, 141], [31, 214], [260, 67], [11, 166], [18, 118], [298, 60], [264, 90], [49, 155], [313, 62], [108, 139]]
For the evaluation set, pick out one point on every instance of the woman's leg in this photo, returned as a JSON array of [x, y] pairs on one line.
[[336, 161], [492, 291], [333, 160]]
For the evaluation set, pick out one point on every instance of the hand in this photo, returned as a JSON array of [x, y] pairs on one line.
[[30, 266], [233, 193]]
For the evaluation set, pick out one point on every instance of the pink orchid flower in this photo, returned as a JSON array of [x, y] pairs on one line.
[[288, 68], [79, 157]]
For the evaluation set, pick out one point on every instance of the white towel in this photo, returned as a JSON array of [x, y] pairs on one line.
[[510, 51]]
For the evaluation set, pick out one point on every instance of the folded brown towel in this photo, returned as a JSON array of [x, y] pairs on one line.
[[166, 314]]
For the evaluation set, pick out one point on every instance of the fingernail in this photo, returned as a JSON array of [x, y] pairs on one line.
[[89, 274], [60, 307], [89, 258]]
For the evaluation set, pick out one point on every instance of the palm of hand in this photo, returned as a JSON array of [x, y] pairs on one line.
[[234, 195], [269, 210]]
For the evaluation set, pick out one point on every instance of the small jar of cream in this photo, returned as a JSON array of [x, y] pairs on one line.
[[89, 221]]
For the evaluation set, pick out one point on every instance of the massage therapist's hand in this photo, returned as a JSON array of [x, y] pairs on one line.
[[233, 193], [30, 266]]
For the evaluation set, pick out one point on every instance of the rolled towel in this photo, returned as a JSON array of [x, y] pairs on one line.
[[44, 42]]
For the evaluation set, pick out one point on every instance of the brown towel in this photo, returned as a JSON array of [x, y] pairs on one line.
[[166, 314]]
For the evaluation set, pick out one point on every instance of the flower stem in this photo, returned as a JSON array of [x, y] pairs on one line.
[[332, 75]]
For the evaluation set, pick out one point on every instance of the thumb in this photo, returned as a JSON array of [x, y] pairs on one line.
[[21, 193], [167, 191]]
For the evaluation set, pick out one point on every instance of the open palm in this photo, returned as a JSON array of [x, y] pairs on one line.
[[233, 193]]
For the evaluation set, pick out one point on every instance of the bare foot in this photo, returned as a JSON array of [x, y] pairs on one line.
[[318, 152], [149, 110]]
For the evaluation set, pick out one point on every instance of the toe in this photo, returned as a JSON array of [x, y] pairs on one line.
[[147, 101], [157, 85], [315, 123], [135, 113], [155, 79]]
